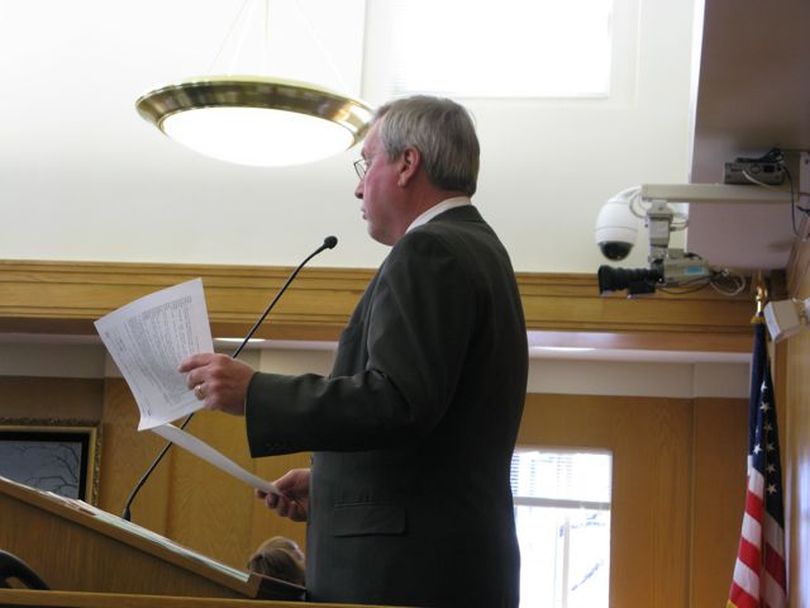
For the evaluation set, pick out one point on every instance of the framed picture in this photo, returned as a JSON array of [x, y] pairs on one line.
[[60, 456]]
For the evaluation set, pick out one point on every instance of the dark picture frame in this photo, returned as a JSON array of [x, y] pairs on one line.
[[60, 456]]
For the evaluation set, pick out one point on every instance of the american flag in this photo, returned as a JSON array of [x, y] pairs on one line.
[[760, 580]]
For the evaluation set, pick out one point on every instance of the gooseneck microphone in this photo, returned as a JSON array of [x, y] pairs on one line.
[[328, 243]]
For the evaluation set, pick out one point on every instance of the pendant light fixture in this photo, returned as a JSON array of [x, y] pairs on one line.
[[257, 120]]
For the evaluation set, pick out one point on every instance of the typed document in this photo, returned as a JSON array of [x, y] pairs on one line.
[[148, 338]]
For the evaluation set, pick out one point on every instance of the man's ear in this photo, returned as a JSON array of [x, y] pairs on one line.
[[410, 161]]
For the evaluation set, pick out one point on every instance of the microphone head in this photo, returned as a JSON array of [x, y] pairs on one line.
[[330, 242]]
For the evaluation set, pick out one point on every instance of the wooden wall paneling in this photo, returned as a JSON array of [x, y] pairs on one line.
[[798, 269], [796, 466], [669, 464], [210, 510], [796, 436], [651, 444], [718, 490], [126, 454], [51, 398]]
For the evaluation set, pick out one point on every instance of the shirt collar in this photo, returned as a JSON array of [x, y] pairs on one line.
[[445, 205]]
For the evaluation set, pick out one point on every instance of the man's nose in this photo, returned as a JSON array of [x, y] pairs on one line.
[[358, 192]]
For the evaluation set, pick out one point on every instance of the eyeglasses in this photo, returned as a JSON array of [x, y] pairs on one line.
[[361, 166]]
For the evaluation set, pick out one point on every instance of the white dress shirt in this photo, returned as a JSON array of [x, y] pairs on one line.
[[445, 205]]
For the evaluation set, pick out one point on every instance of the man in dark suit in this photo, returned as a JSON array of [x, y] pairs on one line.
[[408, 497]]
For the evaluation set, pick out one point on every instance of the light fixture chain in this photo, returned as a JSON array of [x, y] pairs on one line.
[[228, 35], [314, 35], [266, 38], [243, 31]]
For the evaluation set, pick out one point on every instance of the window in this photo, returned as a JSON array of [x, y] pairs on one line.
[[485, 49], [562, 514]]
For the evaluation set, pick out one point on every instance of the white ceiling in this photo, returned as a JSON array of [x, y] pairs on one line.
[[83, 177]]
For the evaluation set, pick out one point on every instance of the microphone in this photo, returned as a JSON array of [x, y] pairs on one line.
[[328, 243]]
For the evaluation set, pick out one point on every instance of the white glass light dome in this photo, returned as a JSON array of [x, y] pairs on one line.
[[257, 121]]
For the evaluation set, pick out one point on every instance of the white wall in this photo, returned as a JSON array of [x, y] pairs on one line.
[[82, 177]]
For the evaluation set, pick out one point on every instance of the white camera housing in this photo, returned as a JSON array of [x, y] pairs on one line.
[[616, 227]]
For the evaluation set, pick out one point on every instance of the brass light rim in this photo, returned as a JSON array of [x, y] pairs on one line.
[[256, 92]]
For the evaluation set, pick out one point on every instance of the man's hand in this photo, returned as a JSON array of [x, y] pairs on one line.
[[219, 381], [294, 501]]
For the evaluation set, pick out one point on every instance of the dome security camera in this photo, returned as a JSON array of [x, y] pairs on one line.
[[617, 226]]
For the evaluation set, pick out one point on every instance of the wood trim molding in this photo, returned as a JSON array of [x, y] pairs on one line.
[[66, 297], [571, 302]]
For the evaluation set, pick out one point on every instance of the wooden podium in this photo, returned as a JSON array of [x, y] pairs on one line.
[[74, 546]]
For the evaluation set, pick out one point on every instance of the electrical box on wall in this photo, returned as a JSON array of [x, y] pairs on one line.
[[743, 171]]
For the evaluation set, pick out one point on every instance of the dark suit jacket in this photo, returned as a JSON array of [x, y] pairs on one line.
[[413, 431]]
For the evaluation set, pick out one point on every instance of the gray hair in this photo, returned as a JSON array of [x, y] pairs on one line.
[[441, 130]]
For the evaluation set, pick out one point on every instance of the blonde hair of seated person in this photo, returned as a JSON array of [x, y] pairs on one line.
[[279, 557]]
